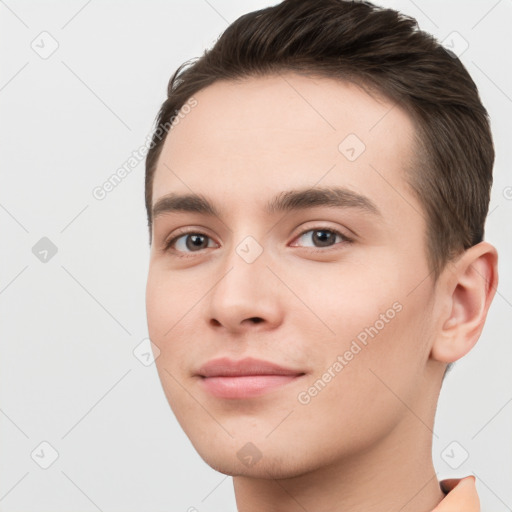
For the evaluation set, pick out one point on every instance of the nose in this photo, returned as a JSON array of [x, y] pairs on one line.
[[247, 296]]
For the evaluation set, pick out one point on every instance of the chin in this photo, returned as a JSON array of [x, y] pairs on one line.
[[248, 460]]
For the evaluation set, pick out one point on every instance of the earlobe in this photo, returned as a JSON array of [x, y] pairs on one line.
[[469, 285]]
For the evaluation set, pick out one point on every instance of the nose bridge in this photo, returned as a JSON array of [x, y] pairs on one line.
[[245, 270], [245, 289]]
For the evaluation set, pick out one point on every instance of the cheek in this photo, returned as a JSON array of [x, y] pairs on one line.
[[168, 321], [348, 299], [363, 385], [377, 328], [166, 313], [173, 306], [169, 301]]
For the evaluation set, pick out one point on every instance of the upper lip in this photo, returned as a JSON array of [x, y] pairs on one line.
[[225, 367]]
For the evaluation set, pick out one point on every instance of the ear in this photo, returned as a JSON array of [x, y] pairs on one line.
[[466, 290]]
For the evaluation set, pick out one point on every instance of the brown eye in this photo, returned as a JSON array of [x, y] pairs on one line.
[[189, 242], [320, 237]]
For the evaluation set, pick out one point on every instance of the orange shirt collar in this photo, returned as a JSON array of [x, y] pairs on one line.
[[461, 497]]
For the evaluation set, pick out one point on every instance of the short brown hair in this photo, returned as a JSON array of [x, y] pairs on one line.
[[379, 49]]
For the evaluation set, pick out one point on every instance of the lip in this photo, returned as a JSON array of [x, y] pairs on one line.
[[246, 378]]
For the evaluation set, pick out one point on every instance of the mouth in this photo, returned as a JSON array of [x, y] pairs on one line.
[[249, 377]]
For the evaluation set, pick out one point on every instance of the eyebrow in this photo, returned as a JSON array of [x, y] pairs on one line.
[[286, 201]]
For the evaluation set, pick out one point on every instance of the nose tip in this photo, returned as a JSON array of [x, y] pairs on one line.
[[244, 298]]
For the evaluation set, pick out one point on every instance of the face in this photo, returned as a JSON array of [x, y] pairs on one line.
[[311, 258]]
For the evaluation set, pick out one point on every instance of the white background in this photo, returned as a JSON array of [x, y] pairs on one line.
[[69, 326]]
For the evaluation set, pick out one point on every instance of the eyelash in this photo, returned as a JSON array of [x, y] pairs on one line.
[[345, 239]]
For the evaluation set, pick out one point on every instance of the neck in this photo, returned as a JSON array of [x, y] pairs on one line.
[[396, 473]]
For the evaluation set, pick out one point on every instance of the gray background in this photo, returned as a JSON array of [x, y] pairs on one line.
[[70, 324]]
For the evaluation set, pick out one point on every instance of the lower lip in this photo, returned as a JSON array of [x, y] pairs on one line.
[[245, 386]]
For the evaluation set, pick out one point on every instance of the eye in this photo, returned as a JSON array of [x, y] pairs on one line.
[[323, 237], [191, 241], [195, 241]]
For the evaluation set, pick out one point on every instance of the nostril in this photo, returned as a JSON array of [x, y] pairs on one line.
[[256, 319]]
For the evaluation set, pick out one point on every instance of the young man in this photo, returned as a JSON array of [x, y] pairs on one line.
[[316, 190]]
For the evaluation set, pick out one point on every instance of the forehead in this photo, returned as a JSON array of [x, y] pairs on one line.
[[256, 136]]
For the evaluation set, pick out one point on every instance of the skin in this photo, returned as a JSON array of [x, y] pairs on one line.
[[363, 443]]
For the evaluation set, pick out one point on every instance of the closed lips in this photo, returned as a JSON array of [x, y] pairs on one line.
[[248, 378], [224, 367]]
